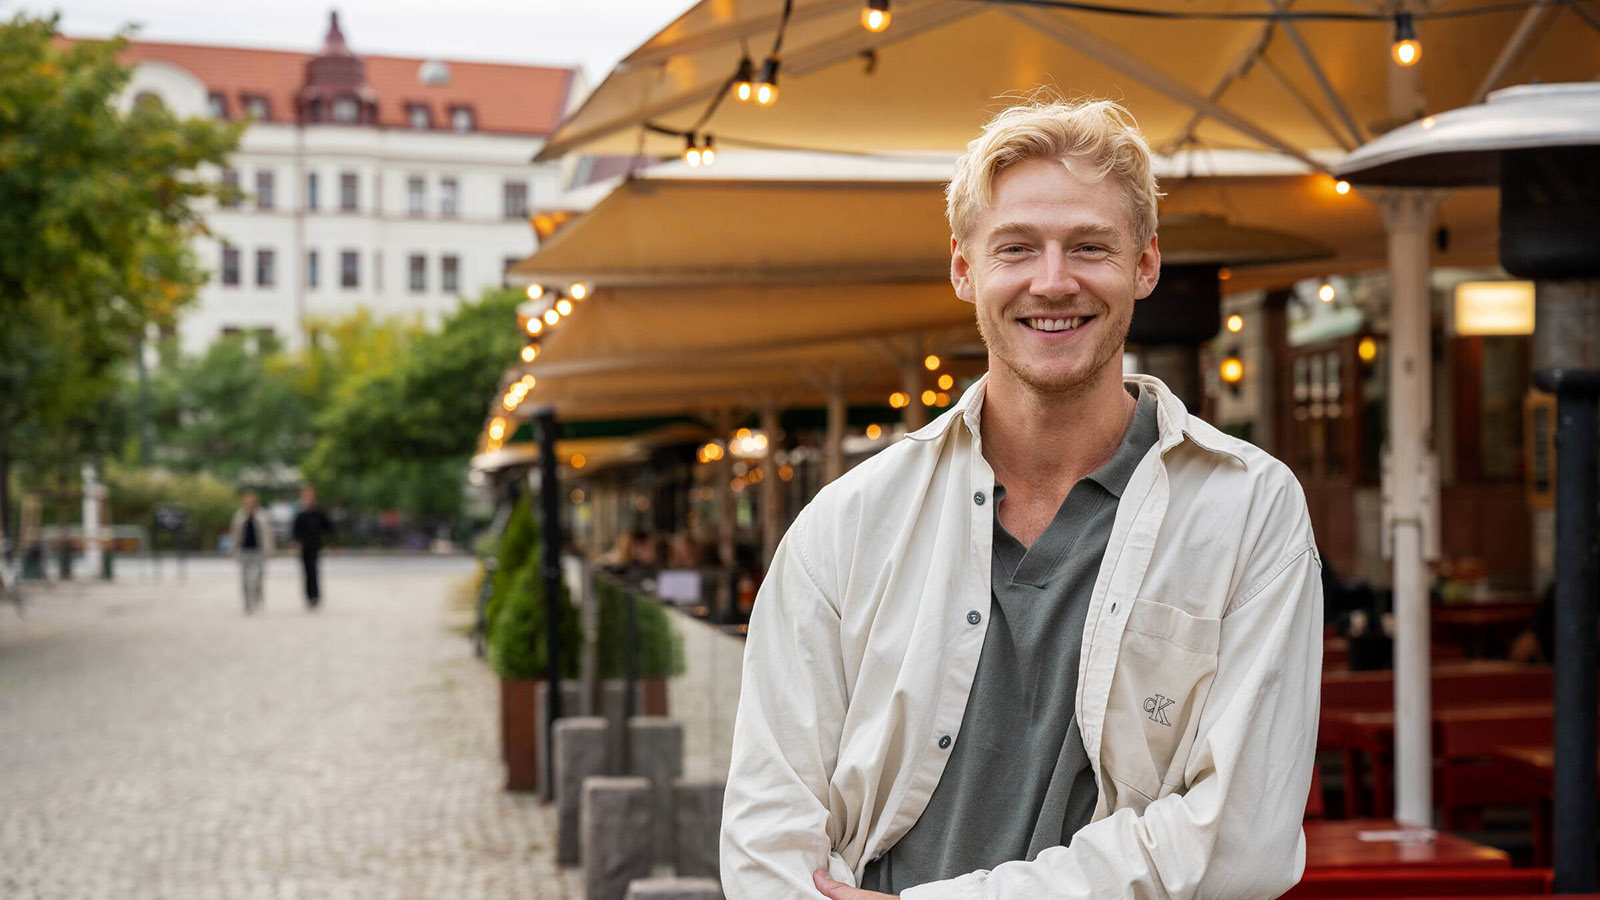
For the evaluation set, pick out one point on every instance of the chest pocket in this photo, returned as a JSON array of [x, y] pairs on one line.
[[1164, 672]]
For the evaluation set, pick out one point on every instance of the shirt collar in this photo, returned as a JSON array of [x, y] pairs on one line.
[[1173, 422]]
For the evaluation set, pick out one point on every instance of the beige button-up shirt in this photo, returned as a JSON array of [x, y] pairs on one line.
[[1198, 688]]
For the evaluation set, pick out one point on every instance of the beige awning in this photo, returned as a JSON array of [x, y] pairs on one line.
[[1309, 90]]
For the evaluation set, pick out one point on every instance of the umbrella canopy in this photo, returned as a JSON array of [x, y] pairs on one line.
[[1289, 87]]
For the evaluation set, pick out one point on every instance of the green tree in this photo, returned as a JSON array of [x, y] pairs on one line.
[[406, 433], [96, 216]]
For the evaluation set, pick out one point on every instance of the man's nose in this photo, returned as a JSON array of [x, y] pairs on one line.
[[1054, 278]]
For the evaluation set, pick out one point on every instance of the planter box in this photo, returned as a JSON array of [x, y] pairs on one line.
[[522, 722]]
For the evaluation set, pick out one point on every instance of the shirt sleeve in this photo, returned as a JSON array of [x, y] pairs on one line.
[[1236, 833], [776, 823]]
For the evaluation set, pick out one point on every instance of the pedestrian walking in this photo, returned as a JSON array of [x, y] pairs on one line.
[[1065, 641], [252, 545], [311, 527]]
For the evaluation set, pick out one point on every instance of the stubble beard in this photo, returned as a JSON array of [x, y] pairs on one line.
[[1073, 383]]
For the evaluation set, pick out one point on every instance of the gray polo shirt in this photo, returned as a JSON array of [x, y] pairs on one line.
[[1018, 780]]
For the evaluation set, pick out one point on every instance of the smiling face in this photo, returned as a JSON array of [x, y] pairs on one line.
[[1054, 268]]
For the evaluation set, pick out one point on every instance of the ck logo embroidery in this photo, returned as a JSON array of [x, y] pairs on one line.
[[1157, 708]]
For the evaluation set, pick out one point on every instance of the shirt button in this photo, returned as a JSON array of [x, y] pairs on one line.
[[978, 498], [1113, 607], [973, 618], [944, 742]]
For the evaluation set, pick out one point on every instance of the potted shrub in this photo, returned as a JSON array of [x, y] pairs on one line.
[[517, 653], [659, 653]]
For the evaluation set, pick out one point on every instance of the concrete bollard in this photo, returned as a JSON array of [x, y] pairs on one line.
[[675, 889], [582, 750], [656, 752], [616, 835], [571, 705], [697, 826]]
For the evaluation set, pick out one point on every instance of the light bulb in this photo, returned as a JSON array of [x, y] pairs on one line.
[[1232, 370], [946, 382], [1341, 187], [535, 291], [530, 352], [1326, 293], [1236, 323], [743, 87], [875, 15], [578, 291], [535, 327], [551, 317], [929, 397], [564, 306], [767, 91], [707, 155], [692, 155], [931, 363], [1407, 50], [874, 431]]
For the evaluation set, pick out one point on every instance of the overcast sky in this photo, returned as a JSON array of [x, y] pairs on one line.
[[592, 33]]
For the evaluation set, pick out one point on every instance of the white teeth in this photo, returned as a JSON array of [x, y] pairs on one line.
[[1055, 324]]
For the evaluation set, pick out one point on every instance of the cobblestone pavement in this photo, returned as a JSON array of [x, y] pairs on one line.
[[157, 743]]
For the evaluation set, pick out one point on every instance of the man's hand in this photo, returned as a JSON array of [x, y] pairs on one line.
[[838, 890]]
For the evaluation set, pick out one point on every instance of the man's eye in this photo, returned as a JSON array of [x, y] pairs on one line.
[[1013, 248], [1093, 248]]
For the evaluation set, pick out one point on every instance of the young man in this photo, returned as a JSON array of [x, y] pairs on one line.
[[311, 526], [252, 546], [1065, 641]]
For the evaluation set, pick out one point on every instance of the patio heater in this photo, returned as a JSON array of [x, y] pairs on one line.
[[1541, 145], [1185, 309]]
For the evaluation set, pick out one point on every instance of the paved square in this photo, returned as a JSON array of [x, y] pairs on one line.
[[157, 743]]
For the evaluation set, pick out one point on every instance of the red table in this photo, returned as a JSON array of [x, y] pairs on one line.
[[1339, 845]]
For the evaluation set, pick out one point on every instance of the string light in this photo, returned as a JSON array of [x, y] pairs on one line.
[[931, 363], [941, 399], [1231, 370], [535, 291], [875, 15], [1236, 323], [564, 306], [708, 154], [1224, 273], [767, 90], [743, 86], [1326, 293], [578, 461], [691, 152], [535, 327], [946, 382], [497, 428], [1407, 50], [578, 291], [551, 317], [1341, 187], [530, 352], [1367, 349], [874, 431], [929, 398], [899, 400]]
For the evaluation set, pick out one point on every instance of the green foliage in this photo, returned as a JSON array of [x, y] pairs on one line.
[[425, 408], [519, 550], [135, 494], [517, 636], [660, 650], [96, 217]]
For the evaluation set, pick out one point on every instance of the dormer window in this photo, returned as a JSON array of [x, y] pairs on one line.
[[462, 119], [256, 107], [419, 116], [217, 103], [346, 109]]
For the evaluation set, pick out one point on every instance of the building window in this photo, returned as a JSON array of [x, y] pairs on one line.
[[217, 103], [516, 199], [347, 191], [230, 188], [449, 198], [349, 269], [417, 273], [346, 109], [265, 189], [313, 195], [420, 117], [416, 195], [313, 269], [265, 263], [450, 273], [256, 107], [230, 266], [462, 119]]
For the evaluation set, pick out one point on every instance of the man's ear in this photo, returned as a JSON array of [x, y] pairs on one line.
[[1148, 269], [961, 272]]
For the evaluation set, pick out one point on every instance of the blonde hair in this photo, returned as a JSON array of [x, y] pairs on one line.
[[1094, 138]]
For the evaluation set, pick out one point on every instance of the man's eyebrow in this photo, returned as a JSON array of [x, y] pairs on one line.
[[1088, 229]]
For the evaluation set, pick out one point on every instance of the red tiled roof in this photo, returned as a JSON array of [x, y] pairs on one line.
[[510, 99]]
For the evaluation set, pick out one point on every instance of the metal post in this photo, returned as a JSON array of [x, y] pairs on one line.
[[1407, 216], [550, 568], [1575, 620]]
